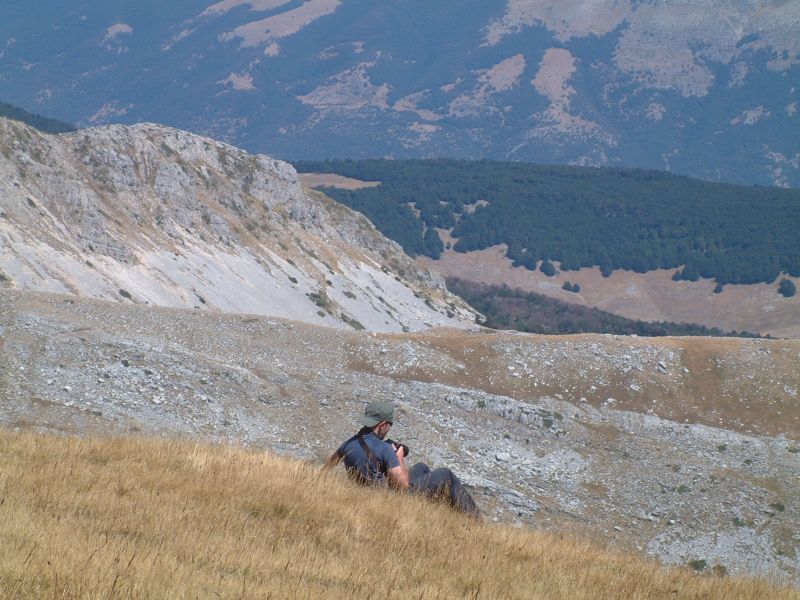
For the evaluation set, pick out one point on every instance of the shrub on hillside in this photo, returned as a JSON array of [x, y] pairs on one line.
[[787, 288], [547, 268]]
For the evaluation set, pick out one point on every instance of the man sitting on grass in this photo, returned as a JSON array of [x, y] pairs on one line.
[[371, 460]]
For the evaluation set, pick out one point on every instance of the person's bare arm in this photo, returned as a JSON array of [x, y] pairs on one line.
[[398, 476]]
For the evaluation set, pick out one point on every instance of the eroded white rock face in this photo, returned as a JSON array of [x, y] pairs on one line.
[[666, 45], [557, 122], [565, 18], [155, 215]]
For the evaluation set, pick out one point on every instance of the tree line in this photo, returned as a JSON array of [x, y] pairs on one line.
[[507, 308], [611, 218], [39, 122]]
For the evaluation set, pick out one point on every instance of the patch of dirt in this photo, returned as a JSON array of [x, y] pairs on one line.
[[552, 81], [319, 180], [225, 6], [499, 78], [505, 74], [351, 89], [552, 78]]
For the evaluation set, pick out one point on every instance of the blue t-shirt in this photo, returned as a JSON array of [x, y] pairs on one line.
[[358, 464]]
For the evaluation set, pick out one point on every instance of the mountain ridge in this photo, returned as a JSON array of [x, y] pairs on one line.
[[705, 89], [155, 215]]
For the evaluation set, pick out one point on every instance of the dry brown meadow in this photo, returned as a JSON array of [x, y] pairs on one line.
[[651, 296], [143, 518]]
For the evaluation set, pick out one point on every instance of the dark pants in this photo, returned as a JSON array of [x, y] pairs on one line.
[[441, 483]]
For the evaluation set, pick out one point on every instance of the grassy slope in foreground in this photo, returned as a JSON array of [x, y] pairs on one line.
[[166, 519]]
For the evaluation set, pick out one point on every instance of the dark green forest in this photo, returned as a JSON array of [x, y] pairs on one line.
[[43, 124], [611, 218], [507, 308]]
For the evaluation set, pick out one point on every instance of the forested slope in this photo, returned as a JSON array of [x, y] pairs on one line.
[[39, 122], [507, 308], [631, 219]]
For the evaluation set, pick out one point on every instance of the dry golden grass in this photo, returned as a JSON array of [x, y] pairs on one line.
[[136, 518]]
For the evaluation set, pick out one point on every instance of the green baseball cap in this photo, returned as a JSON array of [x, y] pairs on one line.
[[375, 412]]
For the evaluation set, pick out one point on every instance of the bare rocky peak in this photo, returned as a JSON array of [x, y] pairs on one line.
[[154, 215]]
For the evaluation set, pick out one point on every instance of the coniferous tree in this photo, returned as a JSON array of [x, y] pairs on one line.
[[36, 121], [432, 243], [690, 273], [547, 268], [787, 288]]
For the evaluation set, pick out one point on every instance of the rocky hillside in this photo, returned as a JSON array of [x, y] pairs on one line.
[[152, 215], [708, 89], [685, 449]]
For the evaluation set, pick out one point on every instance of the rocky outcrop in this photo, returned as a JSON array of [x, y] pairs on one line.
[[154, 215]]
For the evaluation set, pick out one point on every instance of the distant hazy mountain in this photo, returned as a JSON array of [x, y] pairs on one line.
[[708, 88]]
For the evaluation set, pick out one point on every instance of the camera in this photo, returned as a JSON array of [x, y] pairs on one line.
[[398, 445]]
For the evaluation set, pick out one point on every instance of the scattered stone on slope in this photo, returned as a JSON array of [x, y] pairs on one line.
[[721, 487]]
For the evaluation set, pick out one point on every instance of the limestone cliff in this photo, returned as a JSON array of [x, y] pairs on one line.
[[154, 215]]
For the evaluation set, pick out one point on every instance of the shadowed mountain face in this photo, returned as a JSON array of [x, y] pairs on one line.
[[153, 215], [708, 89]]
